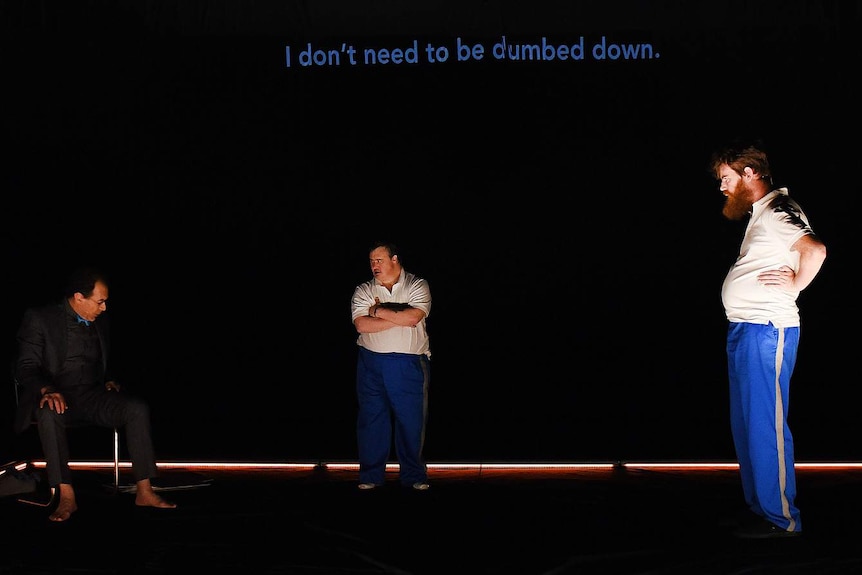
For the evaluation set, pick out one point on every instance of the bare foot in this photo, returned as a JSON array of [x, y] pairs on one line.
[[67, 504], [153, 501], [146, 497]]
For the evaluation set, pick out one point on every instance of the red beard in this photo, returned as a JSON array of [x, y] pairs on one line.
[[738, 204]]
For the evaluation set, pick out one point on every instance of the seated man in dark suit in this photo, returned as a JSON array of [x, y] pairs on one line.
[[65, 379]]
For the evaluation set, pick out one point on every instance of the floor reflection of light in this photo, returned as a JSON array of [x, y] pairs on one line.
[[455, 466]]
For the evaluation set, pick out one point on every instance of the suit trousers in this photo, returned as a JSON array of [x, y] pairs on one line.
[[97, 406]]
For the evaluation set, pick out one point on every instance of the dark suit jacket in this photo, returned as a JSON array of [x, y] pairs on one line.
[[41, 351]]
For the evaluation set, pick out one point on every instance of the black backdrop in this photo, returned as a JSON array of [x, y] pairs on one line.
[[561, 211]]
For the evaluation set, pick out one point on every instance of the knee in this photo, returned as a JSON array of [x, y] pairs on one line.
[[137, 408], [47, 416]]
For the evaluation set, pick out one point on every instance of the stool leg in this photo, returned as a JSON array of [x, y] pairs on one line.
[[116, 460]]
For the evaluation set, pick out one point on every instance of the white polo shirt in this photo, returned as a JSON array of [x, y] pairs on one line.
[[776, 223], [409, 289]]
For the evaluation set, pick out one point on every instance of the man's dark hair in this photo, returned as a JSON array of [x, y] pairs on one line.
[[739, 155], [83, 280], [390, 247]]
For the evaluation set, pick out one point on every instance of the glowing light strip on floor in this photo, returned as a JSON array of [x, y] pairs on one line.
[[348, 466], [717, 466], [339, 466]]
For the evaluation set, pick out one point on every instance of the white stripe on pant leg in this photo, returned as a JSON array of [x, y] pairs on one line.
[[779, 430]]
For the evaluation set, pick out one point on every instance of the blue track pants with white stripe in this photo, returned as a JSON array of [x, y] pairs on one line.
[[760, 361]]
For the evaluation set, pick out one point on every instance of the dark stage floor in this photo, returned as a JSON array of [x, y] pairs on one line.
[[482, 521]]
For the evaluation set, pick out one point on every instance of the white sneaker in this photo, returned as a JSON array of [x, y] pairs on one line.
[[365, 486], [421, 486]]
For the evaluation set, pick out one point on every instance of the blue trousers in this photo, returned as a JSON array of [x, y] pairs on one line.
[[392, 391], [760, 362]]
